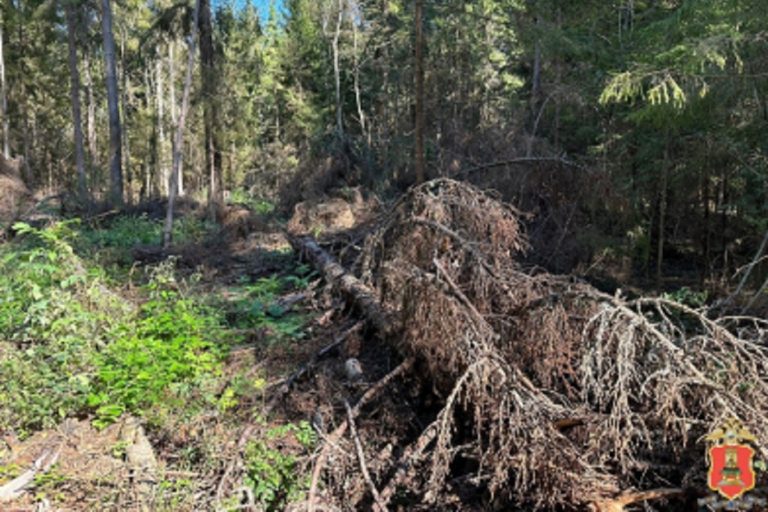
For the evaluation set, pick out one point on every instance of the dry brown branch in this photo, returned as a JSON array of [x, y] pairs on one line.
[[619, 504], [563, 396], [406, 465], [521, 160], [224, 483], [361, 459], [19, 485], [567, 385], [341, 429], [284, 385], [745, 277]]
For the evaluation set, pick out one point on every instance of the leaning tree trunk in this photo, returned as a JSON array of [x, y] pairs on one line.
[[115, 146], [74, 77], [358, 294], [419, 67], [178, 142]]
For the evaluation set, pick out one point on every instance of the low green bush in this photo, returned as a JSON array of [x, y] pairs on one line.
[[274, 474], [113, 242], [54, 315], [258, 205], [70, 346], [165, 356], [256, 305]]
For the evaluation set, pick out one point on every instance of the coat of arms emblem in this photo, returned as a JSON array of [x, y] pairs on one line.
[[731, 472]]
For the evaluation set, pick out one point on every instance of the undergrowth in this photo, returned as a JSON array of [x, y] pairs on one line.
[[272, 472], [113, 242], [70, 346], [259, 205], [257, 306]]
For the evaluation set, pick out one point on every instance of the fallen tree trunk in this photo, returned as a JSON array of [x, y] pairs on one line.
[[556, 390], [361, 296]]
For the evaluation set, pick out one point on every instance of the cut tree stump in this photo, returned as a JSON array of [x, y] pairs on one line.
[[141, 460]]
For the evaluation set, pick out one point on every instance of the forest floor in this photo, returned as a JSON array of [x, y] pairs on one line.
[[196, 343], [407, 362]]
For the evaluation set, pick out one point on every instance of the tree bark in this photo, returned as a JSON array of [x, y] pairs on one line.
[[25, 113], [3, 96], [662, 219], [162, 169], [172, 103], [381, 119], [212, 154], [535, 100], [115, 137], [358, 100], [74, 78], [178, 142], [360, 295], [337, 70], [90, 118], [124, 107], [420, 167]]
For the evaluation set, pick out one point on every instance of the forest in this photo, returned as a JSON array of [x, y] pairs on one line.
[[336, 255]]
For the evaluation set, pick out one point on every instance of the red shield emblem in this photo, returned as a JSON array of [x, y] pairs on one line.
[[730, 470]]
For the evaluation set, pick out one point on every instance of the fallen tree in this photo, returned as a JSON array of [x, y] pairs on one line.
[[552, 393]]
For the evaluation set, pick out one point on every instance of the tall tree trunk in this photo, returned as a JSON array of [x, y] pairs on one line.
[[662, 218], [536, 79], [212, 154], [535, 100], [115, 146], [724, 180], [90, 118], [558, 82], [178, 142], [3, 96], [381, 118], [74, 78], [358, 100], [172, 102], [337, 71], [153, 148], [124, 107], [25, 113], [162, 169], [420, 167]]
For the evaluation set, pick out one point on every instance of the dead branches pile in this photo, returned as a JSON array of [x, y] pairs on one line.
[[554, 393]]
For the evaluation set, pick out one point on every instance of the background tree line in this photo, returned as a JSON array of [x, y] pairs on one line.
[[634, 130]]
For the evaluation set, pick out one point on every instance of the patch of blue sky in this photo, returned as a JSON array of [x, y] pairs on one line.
[[261, 5]]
